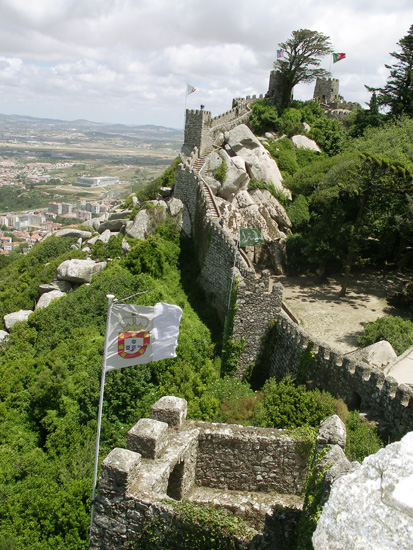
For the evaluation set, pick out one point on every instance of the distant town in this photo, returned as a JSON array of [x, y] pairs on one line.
[[17, 229], [31, 227], [56, 173]]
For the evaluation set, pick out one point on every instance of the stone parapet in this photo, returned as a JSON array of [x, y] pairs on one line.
[[247, 470], [359, 384]]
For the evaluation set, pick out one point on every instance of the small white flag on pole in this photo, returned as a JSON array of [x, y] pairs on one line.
[[140, 334], [190, 89]]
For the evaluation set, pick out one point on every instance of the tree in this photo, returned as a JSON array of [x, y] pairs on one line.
[[397, 94], [367, 118], [300, 61], [379, 178]]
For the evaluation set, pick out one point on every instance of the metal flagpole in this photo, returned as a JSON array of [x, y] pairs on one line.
[[110, 298]]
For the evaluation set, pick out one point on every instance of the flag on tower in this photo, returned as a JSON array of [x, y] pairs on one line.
[[338, 57], [140, 334], [190, 89]]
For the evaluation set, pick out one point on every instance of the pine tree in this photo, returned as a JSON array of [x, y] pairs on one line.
[[397, 94], [300, 61]]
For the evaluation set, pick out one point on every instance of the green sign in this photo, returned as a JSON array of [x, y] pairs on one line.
[[250, 237]]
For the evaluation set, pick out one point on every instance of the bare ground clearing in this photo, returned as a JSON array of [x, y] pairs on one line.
[[338, 321]]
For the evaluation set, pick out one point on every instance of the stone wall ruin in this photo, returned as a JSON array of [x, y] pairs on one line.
[[242, 469]]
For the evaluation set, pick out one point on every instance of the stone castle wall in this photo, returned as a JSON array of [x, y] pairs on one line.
[[169, 459], [258, 301], [358, 384], [249, 459]]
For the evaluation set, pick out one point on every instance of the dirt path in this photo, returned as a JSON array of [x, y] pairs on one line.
[[338, 321]]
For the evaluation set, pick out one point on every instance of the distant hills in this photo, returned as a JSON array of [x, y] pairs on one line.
[[51, 128]]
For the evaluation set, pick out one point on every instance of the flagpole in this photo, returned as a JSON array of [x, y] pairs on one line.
[[110, 298]]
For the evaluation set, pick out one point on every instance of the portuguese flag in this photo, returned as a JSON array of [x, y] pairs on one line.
[[338, 57]]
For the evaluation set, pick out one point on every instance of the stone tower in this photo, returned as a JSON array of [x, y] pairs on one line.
[[197, 131], [326, 90], [274, 88]]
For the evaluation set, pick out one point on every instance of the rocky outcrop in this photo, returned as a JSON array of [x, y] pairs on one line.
[[63, 286], [114, 225], [12, 318], [303, 142], [377, 355], [46, 298], [258, 162], [79, 271], [145, 221], [73, 232], [372, 507]]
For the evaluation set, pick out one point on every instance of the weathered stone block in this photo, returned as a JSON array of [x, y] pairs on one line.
[[171, 410], [148, 437], [332, 432], [119, 469]]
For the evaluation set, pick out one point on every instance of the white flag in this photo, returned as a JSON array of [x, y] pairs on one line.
[[190, 89], [140, 334]]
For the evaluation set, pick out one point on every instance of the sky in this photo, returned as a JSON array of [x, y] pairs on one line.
[[129, 61]]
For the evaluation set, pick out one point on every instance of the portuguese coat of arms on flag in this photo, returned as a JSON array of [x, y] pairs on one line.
[[140, 334]]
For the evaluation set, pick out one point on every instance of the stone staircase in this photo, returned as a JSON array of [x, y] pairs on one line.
[[212, 207]]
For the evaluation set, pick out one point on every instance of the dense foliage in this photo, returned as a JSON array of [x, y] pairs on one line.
[[397, 331], [151, 191], [13, 199]]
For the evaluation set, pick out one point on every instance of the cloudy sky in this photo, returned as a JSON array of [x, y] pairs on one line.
[[129, 61]]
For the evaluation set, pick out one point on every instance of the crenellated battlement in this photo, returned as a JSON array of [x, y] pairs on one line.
[[359, 384]]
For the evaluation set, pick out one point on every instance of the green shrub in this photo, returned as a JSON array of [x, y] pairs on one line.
[[397, 331], [221, 172], [285, 405], [264, 117], [298, 212], [283, 152], [362, 438]]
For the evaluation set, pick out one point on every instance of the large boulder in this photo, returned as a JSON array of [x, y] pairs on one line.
[[104, 236], [79, 271], [372, 507], [12, 318], [3, 336], [377, 355], [303, 142], [262, 197], [236, 178], [63, 286], [45, 299], [114, 225], [175, 207], [146, 220], [94, 223], [120, 214], [72, 232], [240, 138], [258, 161]]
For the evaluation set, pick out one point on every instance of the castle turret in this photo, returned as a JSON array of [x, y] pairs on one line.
[[326, 90], [197, 125]]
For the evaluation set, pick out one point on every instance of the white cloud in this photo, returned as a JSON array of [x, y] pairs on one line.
[[130, 60]]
